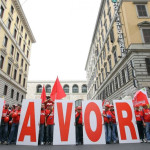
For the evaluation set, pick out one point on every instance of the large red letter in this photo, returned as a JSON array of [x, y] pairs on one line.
[[93, 135], [29, 130], [120, 107], [64, 125]]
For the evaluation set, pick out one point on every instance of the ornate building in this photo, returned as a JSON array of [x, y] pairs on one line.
[[118, 63], [16, 39]]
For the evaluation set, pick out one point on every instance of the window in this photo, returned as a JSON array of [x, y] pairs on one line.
[[84, 88], [112, 38], [106, 69], [104, 54], [148, 65], [110, 18], [101, 60], [17, 96], [1, 11], [20, 40], [9, 69], [123, 77], [27, 54], [24, 82], [15, 33], [39, 89], [9, 24], [107, 3], [106, 27], [108, 48], [20, 79], [5, 89], [17, 57], [66, 88], [25, 35], [21, 28], [5, 41], [126, 74], [24, 47], [12, 94], [15, 74], [12, 9], [141, 10], [22, 62], [146, 35], [22, 97], [48, 89], [17, 20], [26, 67], [29, 42], [12, 50], [110, 66], [102, 36], [102, 76], [75, 89], [115, 57], [1, 62]]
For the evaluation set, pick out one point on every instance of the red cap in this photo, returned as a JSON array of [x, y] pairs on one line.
[[49, 104], [137, 105], [144, 104], [107, 105], [79, 108]]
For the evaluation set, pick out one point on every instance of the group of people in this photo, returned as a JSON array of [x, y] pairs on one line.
[[11, 116]]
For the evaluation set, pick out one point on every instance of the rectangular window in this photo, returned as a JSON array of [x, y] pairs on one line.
[[22, 62], [17, 20], [1, 11], [21, 28], [116, 83], [20, 79], [9, 24], [17, 96], [9, 69], [26, 67], [12, 9], [5, 41], [15, 33], [146, 35], [20, 40], [24, 82], [12, 94], [27, 54], [142, 12], [108, 48], [102, 36], [115, 57], [110, 18], [106, 70], [5, 90], [148, 65], [1, 62], [104, 54], [123, 77], [112, 38], [106, 27], [25, 35], [110, 66], [107, 3], [101, 60], [15, 74], [17, 57], [29, 42], [12, 50]]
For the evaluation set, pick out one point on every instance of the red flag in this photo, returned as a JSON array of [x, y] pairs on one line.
[[43, 95], [103, 103], [57, 91], [140, 97]]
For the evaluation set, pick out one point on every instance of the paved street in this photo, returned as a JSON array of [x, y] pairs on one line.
[[87, 147]]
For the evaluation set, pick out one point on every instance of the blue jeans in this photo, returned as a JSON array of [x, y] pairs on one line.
[[148, 130], [114, 131], [41, 133], [49, 133], [107, 132], [13, 133], [3, 131]]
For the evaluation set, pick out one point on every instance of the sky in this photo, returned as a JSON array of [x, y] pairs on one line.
[[63, 30]]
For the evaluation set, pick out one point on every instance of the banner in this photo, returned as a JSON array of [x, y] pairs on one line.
[[64, 119], [126, 122], [1, 108], [93, 129], [29, 123]]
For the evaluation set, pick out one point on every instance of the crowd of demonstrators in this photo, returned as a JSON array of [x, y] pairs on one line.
[[11, 117]]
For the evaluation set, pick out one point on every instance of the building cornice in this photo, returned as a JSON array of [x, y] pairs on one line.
[[24, 19], [53, 81]]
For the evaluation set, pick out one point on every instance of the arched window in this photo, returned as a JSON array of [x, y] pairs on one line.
[[75, 89], [84, 88], [39, 89], [48, 88], [66, 88]]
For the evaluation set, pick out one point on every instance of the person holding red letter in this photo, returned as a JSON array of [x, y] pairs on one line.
[[79, 126], [107, 123], [49, 123], [15, 125], [146, 116], [42, 125], [139, 121], [4, 125], [113, 124]]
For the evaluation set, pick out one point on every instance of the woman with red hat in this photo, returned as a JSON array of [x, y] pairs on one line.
[[79, 126]]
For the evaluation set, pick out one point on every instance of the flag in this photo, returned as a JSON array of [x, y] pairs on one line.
[[140, 97], [43, 95], [103, 102], [57, 91]]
